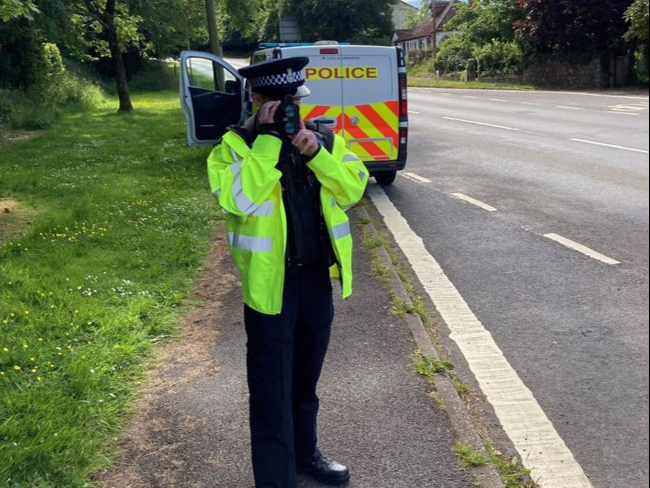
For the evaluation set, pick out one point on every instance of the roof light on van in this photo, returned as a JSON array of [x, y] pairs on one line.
[[329, 51]]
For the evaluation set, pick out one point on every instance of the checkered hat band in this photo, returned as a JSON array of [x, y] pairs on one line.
[[278, 79]]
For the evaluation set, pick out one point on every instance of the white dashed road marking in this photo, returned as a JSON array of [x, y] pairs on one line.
[[414, 112], [498, 100], [580, 248], [611, 145], [474, 201], [413, 176], [532, 433], [481, 123], [568, 107]]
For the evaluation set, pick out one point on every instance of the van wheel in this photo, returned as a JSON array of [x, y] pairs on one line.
[[386, 177]]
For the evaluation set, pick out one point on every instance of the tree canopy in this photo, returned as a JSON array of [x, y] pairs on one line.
[[574, 26], [362, 21], [15, 9], [485, 31], [638, 18]]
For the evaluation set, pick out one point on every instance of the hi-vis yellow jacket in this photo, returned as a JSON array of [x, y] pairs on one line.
[[247, 186]]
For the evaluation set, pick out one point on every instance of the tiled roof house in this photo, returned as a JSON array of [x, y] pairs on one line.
[[421, 36]]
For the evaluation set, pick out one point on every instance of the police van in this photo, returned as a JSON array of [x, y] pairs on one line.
[[358, 91]]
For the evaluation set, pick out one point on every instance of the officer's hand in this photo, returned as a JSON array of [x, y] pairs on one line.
[[306, 142], [266, 117]]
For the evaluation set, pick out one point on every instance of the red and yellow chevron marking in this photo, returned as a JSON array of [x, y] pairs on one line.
[[378, 121]]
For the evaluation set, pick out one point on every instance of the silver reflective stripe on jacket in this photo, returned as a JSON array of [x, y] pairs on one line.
[[350, 157], [265, 210], [250, 243], [341, 230]]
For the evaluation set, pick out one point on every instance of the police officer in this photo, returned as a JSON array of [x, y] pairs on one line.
[[285, 198]]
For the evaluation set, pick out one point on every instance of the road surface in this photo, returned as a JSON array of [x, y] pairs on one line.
[[535, 205]]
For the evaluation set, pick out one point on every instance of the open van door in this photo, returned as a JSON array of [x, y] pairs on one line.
[[213, 97]]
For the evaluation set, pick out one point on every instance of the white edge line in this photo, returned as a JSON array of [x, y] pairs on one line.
[[539, 445], [473, 201], [419, 178], [581, 248], [481, 123], [612, 145]]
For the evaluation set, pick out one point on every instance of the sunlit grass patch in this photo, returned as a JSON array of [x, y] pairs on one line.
[[14, 218], [102, 273]]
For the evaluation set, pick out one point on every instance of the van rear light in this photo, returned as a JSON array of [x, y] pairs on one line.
[[329, 51], [404, 107], [403, 95]]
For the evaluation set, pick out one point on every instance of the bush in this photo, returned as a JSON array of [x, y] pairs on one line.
[[453, 55], [499, 58], [55, 90]]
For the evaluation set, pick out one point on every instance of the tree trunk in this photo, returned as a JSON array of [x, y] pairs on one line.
[[215, 44], [119, 72]]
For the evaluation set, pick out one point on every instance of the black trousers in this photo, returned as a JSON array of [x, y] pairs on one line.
[[285, 355]]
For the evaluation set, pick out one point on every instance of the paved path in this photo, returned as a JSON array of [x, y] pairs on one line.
[[376, 414]]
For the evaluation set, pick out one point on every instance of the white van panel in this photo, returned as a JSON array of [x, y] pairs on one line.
[[358, 87]]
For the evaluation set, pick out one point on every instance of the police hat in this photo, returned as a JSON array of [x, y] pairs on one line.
[[278, 77]]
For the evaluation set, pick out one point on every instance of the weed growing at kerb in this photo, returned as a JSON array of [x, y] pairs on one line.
[[124, 216]]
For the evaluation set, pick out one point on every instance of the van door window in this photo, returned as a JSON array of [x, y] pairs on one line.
[[216, 97]]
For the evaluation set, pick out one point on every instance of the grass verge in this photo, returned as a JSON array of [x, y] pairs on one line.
[[415, 82], [100, 275]]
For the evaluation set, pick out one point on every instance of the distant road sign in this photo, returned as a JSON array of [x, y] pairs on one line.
[[289, 29]]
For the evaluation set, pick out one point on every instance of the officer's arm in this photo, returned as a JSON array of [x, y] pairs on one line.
[[243, 186], [346, 177]]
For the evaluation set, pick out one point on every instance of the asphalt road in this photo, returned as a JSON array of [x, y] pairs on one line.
[[574, 328]]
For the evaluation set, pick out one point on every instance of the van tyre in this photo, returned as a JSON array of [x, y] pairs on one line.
[[386, 177]]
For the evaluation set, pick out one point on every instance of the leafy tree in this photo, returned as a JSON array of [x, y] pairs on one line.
[[16, 9], [486, 32], [110, 27], [361, 21], [415, 17], [483, 21], [574, 26], [167, 26], [638, 19], [267, 20]]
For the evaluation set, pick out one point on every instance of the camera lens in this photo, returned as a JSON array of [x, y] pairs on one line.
[[290, 111], [290, 128]]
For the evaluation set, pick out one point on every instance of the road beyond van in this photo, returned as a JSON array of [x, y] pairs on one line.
[[358, 91]]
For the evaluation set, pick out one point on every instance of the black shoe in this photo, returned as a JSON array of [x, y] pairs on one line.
[[326, 471]]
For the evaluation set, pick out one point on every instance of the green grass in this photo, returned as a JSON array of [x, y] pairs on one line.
[[102, 272], [468, 85], [469, 458], [510, 469], [428, 366]]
